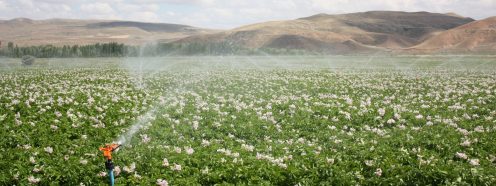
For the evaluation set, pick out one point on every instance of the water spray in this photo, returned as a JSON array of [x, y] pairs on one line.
[[109, 165]]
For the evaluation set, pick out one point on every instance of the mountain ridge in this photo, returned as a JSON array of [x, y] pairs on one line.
[[476, 36], [360, 32], [28, 32], [340, 33]]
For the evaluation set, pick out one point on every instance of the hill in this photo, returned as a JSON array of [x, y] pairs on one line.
[[26, 32], [363, 32], [343, 33], [477, 36]]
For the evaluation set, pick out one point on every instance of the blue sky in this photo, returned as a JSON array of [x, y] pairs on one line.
[[227, 13]]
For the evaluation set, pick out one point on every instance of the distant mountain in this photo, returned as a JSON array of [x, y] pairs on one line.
[[364, 32], [25, 32], [344, 33], [149, 27], [477, 36]]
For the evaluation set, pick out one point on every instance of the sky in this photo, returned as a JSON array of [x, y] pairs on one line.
[[225, 14]]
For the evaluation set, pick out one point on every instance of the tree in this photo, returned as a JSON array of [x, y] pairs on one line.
[[27, 60]]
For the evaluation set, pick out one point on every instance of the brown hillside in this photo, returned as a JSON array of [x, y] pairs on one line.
[[378, 30], [477, 36], [26, 32]]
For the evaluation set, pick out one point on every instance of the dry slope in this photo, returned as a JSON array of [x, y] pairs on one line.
[[26, 32], [344, 33], [477, 36]]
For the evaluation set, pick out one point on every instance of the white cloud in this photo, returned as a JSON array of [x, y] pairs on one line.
[[3, 5], [97, 8], [145, 16], [187, 2], [134, 7]]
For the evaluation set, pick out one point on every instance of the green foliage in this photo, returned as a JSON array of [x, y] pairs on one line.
[[219, 125], [50, 51], [158, 49]]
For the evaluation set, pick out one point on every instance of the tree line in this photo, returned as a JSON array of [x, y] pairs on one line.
[[155, 49], [51, 51]]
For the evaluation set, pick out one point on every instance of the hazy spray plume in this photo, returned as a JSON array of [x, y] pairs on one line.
[[143, 67], [198, 68], [138, 67]]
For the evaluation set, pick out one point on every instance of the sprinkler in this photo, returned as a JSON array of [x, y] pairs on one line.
[[107, 153]]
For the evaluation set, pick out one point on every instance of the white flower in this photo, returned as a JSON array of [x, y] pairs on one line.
[[83, 161], [465, 143], [33, 180], [176, 167], [330, 160], [165, 162], [177, 149], [479, 129], [390, 121], [205, 171], [492, 158], [145, 138], [15, 102], [397, 116], [205, 143], [58, 114], [26, 147], [381, 111], [195, 125], [137, 176], [378, 172], [419, 116], [37, 169], [31, 159], [463, 131], [130, 169], [461, 155], [54, 127], [49, 150], [249, 148], [102, 174], [474, 162], [117, 171], [162, 182], [189, 150], [369, 163]]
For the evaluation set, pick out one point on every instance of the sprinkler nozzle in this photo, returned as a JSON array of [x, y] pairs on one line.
[[108, 149], [107, 153]]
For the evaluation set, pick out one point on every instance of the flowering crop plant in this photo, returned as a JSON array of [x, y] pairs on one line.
[[309, 120]]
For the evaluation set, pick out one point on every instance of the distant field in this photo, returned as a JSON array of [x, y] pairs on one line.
[[430, 62], [287, 120]]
